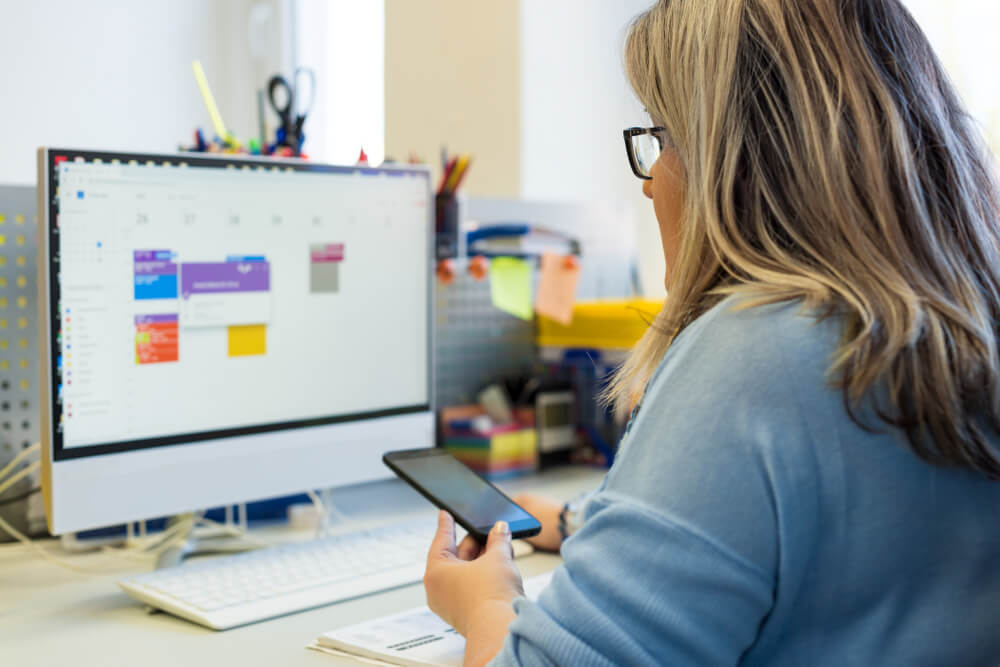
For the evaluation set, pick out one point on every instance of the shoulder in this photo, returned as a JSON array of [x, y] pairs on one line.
[[728, 429], [736, 347], [755, 335]]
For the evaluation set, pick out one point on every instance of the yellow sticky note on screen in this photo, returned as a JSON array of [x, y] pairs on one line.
[[510, 286], [247, 340], [557, 280]]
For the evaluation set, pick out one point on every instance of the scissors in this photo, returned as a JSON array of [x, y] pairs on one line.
[[291, 112]]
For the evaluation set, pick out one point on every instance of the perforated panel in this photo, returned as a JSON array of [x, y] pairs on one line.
[[474, 342], [19, 425], [18, 315]]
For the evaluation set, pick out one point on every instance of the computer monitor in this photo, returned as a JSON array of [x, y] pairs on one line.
[[220, 329]]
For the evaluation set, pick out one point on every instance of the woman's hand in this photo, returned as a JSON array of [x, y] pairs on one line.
[[546, 511], [472, 587]]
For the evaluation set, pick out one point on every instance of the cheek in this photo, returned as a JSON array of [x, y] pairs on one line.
[[668, 205]]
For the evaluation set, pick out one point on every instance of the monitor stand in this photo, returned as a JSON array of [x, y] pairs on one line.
[[194, 540]]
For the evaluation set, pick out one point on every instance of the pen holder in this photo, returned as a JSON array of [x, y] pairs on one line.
[[446, 226]]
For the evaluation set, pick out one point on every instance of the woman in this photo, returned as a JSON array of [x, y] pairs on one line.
[[810, 476]]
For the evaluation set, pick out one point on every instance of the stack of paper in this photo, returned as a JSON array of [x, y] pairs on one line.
[[414, 638]]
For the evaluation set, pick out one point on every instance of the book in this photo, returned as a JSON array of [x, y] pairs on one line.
[[411, 638]]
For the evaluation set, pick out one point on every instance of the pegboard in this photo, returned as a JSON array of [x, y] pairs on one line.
[[19, 372], [474, 343]]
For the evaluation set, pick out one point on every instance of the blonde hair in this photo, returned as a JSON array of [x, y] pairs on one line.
[[827, 158]]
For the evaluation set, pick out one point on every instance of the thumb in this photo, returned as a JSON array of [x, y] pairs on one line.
[[499, 540], [444, 538]]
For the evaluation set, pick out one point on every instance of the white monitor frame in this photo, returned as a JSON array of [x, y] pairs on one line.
[[125, 486]]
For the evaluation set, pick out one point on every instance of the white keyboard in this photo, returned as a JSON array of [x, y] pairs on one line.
[[225, 592]]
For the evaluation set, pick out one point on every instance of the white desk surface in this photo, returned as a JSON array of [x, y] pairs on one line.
[[51, 616]]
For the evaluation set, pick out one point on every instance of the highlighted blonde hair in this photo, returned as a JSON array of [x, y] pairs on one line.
[[827, 158]]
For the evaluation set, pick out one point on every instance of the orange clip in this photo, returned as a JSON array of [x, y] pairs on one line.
[[479, 267], [445, 271], [571, 262]]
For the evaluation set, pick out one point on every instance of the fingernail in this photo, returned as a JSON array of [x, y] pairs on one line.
[[502, 527]]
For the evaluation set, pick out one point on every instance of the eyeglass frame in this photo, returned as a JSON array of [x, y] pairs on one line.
[[660, 133]]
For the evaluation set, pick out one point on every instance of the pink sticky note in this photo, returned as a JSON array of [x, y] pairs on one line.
[[557, 281]]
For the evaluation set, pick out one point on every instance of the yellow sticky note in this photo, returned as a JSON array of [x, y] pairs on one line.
[[510, 286], [247, 340], [557, 282]]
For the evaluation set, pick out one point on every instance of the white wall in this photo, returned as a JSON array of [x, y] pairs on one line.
[[343, 42], [963, 32], [117, 74], [575, 102]]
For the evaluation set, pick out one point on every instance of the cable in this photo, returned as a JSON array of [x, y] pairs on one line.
[[24, 539], [173, 535], [234, 531], [17, 459], [176, 534], [324, 513], [16, 477], [20, 497]]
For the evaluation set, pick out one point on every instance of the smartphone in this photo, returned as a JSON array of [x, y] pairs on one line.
[[448, 483]]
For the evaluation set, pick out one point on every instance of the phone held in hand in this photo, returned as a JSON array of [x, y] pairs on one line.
[[450, 485]]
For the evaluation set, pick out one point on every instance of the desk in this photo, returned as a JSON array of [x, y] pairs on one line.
[[51, 616]]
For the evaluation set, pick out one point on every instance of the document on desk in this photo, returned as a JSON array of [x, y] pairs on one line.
[[413, 638]]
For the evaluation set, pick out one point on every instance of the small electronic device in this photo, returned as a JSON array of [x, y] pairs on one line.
[[475, 503], [554, 420]]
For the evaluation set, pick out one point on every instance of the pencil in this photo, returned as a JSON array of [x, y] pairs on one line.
[[453, 176], [446, 174], [206, 94], [461, 174]]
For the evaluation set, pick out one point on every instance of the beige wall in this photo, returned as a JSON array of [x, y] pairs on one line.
[[452, 76]]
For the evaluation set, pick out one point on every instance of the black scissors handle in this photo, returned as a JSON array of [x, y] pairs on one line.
[[291, 112], [285, 110]]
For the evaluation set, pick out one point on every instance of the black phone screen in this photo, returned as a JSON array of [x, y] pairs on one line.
[[460, 489]]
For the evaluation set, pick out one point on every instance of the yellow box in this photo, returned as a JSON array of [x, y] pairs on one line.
[[246, 340], [604, 324]]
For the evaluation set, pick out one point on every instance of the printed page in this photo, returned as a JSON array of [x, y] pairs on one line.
[[413, 638]]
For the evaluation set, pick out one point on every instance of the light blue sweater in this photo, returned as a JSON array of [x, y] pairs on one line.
[[748, 520]]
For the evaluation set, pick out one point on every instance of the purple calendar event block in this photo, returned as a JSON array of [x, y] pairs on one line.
[[155, 319], [224, 277], [154, 262]]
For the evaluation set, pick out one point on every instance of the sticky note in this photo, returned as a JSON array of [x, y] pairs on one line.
[[510, 286], [557, 281], [247, 340]]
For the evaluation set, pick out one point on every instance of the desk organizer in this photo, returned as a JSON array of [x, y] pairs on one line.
[[495, 452]]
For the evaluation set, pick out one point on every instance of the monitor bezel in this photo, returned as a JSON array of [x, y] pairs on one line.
[[52, 320]]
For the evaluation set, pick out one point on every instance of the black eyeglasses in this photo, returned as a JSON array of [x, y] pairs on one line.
[[644, 145]]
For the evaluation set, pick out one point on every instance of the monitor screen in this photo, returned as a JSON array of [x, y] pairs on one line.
[[193, 299]]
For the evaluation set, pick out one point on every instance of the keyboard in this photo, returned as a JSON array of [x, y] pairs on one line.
[[222, 593]]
